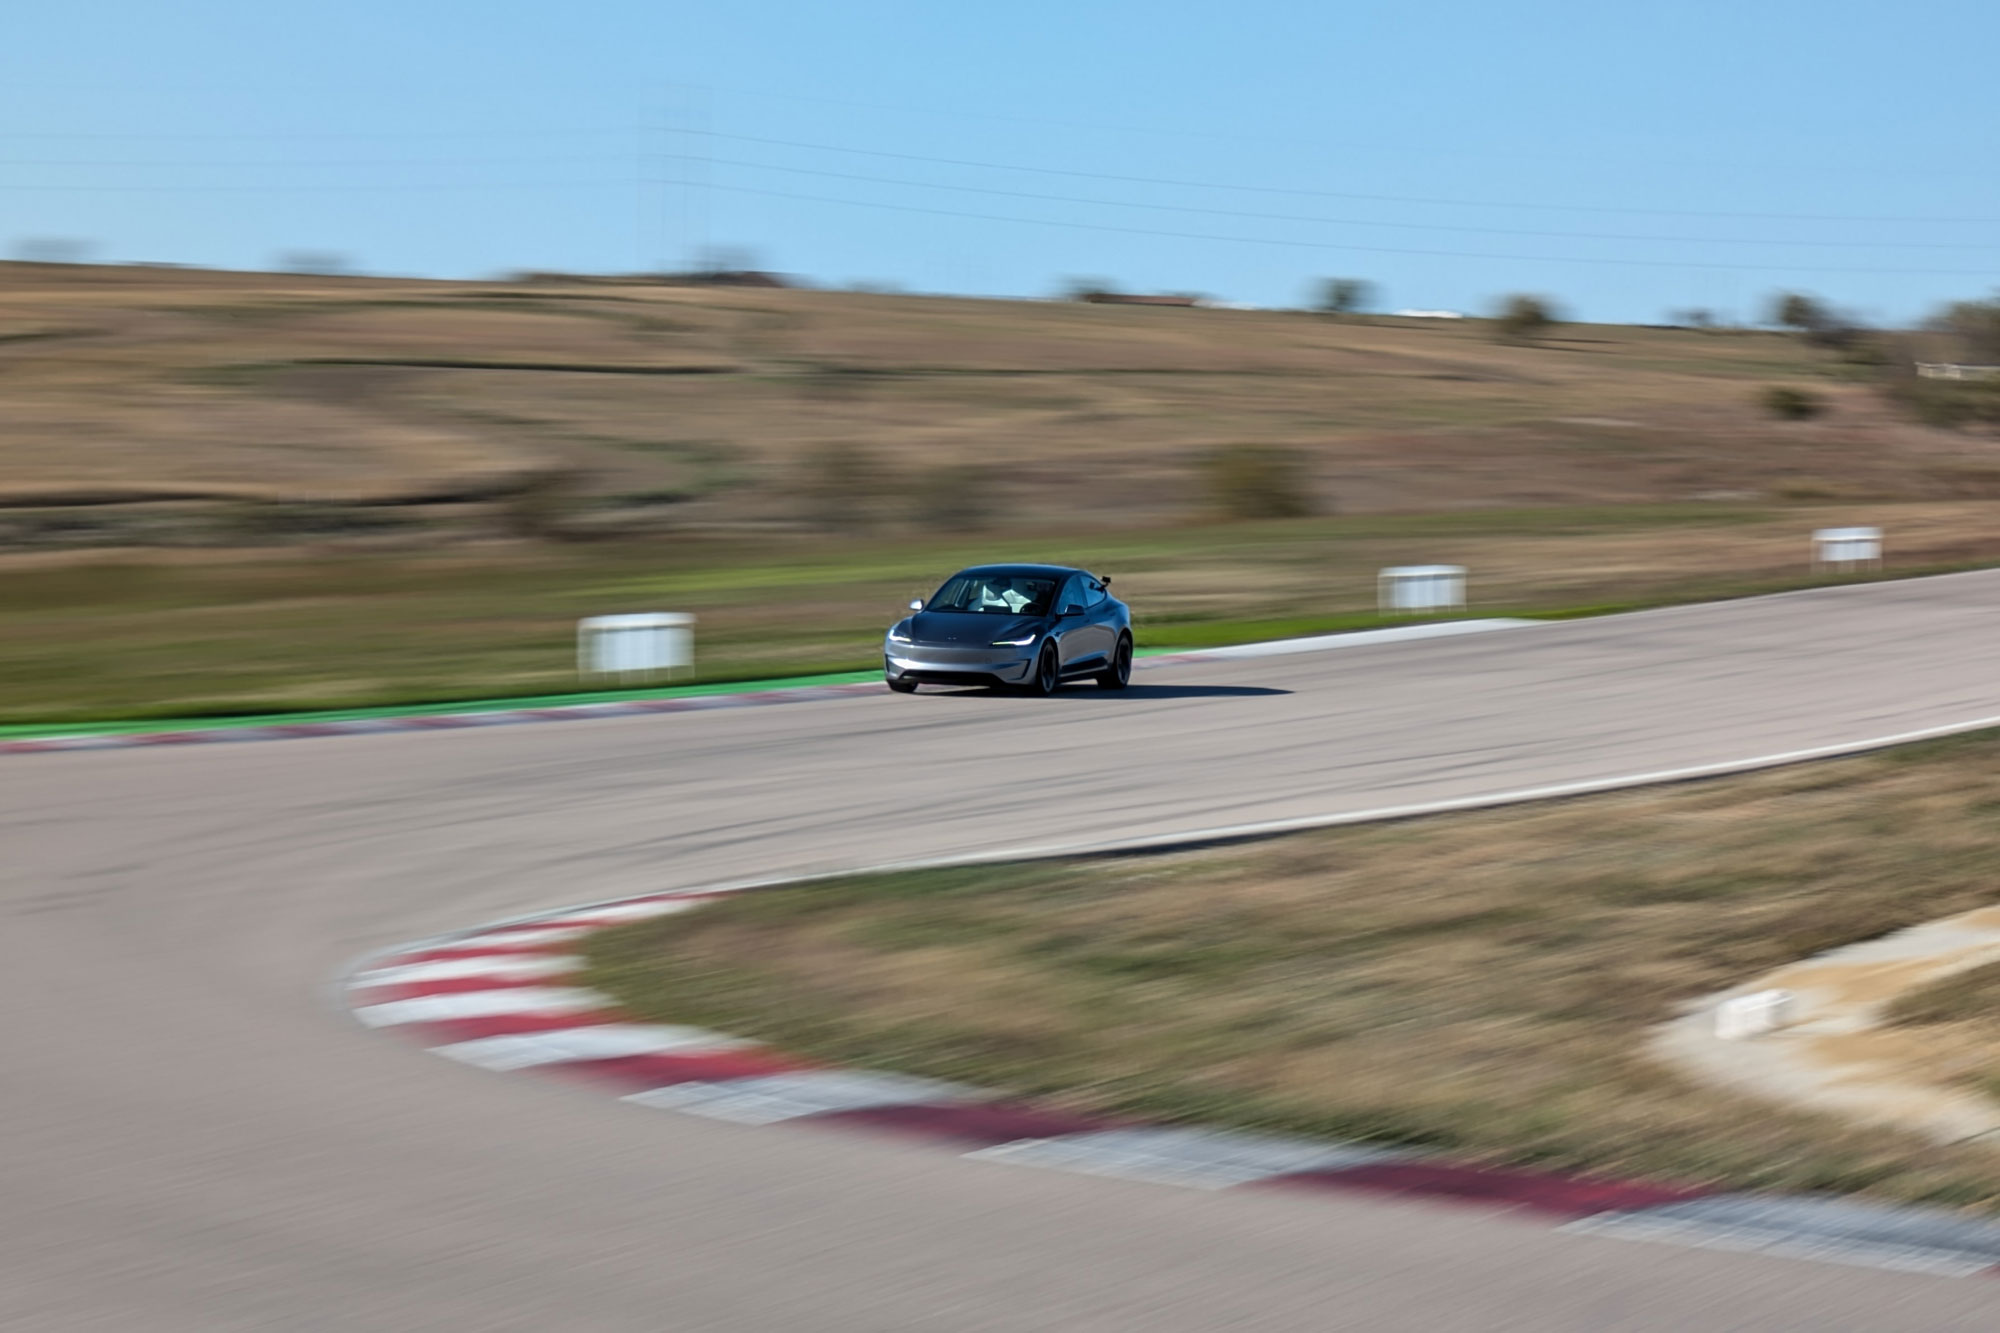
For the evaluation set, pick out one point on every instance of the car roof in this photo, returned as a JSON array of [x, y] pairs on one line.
[[1021, 569]]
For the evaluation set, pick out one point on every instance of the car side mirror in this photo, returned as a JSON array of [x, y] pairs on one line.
[[1072, 610], [917, 605]]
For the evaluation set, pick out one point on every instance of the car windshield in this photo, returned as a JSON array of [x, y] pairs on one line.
[[1000, 593]]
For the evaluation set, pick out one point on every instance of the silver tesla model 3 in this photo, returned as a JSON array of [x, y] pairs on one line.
[[1029, 627]]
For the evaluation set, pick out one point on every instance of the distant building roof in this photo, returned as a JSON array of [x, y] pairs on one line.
[[1429, 314]]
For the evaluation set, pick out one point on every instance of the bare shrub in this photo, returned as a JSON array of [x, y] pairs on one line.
[[1523, 317], [541, 507], [1258, 481], [1789, 404], [1345, 296], [953, 497], [841, 484]]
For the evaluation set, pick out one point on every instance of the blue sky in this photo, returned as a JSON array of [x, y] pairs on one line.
[[1626, 159]]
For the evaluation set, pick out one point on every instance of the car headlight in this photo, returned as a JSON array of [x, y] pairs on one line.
[[1014, 643], [897, 636]]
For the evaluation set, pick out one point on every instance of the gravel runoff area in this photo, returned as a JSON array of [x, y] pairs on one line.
[[1896, 1030]]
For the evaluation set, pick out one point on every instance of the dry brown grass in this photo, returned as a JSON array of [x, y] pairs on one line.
[[208, 385], [1971, 995], [1952, 1030], [1477, 983]]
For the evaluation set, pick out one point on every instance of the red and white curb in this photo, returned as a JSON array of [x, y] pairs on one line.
[[501, 717], [504, 998]]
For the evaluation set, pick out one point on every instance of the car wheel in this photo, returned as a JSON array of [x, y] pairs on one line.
[[1048, 672], [902, 685], [1120, 673]]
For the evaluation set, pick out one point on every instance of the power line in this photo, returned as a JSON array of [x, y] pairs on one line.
[[320, 162], [626, 183], [1356, 222], [293, 137], [1355, 249], [960, 113], [1433, 149], [1343, 194], [597, 159], [1126, 178]]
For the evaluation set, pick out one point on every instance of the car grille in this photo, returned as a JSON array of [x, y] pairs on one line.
[[955, 657]]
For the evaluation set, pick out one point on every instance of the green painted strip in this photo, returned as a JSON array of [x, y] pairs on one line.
[[34, 731], [40, 731]]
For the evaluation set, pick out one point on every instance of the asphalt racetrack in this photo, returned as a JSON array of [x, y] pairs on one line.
[[195, 1139]]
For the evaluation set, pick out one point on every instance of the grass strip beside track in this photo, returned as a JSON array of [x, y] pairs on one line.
[[1180, 639], [177, 636], [1478, 983], [1951, 1030]]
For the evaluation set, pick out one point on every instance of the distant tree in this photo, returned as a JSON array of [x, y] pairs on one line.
[[1975, 326], [1800, 312], [1971, 337], [1822, 326], [1345, 296], [1082, 289], [1523, 317], [1694, 317]]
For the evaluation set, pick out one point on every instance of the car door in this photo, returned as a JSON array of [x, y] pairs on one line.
[[1085, 638], [1103, 616], [1073, 635]]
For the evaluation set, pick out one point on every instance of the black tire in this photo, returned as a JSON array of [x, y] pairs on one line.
[[1119, 674], [1047, 674], [901, 685]]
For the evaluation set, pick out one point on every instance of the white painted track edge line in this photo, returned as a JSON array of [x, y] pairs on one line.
[[336, 987]]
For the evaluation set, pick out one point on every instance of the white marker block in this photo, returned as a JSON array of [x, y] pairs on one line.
[[641, 645], [1753, 1015], [1414, 589], [1847, 548]]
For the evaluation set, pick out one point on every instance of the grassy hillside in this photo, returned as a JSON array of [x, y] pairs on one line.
[[194, 407], [228, 492]]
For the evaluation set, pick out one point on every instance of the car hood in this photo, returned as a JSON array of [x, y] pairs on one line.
[[969, 627]]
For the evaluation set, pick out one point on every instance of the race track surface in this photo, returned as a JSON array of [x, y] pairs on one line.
[[194, 1139]]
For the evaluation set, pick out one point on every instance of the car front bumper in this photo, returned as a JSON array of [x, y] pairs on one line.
[[949, 665]]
